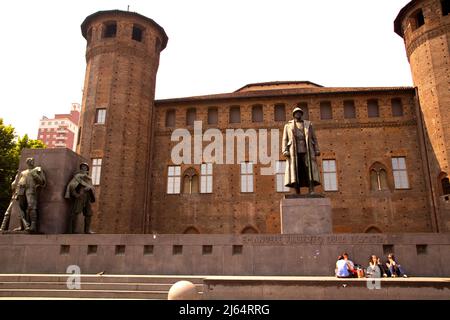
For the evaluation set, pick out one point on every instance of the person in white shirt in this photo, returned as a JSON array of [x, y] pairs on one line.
[[342, 268]]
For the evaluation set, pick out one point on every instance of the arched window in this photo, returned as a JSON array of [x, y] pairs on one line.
[[109, 29], [257, 113], [137, 33], [89, 35], [190, 181], [373, 229], [445, 5], [249, 230], [417, 19], [191, 230], [378, 177]]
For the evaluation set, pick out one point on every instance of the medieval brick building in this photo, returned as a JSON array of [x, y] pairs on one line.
[[385, 150]]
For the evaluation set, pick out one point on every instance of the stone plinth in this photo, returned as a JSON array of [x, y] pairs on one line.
[[59, 165], [233, 254], [303, 215]]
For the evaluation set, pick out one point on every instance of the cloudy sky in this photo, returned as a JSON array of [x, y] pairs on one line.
[[214, 46]]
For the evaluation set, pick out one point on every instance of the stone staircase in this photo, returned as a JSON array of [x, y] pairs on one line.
[[54, 286]]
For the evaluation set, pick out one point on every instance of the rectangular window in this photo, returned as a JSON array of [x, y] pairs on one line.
[[100, 116], [280, 112], [96, 171], [235, 114], [349, 109], [206, 178], [170, 118], [373, 110], [257, 113], [305, 108], [325, 110], [246, 176], [213, 116], [329, 175], [191, 116], [400, 173], [173, 180], [279, 181], [397, 107]]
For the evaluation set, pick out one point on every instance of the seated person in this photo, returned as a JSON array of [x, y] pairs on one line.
[[351, 265], [383, 268], [395, 269], [373, 270], [342, 268]]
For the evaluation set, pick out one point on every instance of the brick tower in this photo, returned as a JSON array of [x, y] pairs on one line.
[[425, 27], [116, 125]]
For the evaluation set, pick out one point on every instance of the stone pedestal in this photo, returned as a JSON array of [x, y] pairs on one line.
[[303, 215], [59, 165]]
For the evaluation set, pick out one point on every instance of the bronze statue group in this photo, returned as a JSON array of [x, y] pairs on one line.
[[26, 188]]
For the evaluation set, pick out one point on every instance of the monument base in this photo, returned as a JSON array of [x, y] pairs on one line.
[[53, 211], [305, 215]]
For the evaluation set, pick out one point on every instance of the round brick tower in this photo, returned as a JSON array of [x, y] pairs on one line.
[[425, 27], [116, 122]]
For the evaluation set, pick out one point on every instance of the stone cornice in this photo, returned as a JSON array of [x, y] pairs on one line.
[[122, 49], [430, 34], [317, 126]]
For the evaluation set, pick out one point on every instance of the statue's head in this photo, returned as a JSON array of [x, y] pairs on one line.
[[297, 113], [30, 162], [84, 167]]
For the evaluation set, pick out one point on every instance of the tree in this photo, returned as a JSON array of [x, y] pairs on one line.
[[10, 150]]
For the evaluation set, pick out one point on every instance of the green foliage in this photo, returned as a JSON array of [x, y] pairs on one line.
[[10, 149]]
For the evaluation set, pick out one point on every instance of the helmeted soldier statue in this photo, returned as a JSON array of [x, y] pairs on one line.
[[26, 187], [82, 193], [300, 147]]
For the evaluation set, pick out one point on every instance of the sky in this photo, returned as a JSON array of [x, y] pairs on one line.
[[215, 46]]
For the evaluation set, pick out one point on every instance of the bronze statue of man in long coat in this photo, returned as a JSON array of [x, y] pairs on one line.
[[300, 147], [81, 191]]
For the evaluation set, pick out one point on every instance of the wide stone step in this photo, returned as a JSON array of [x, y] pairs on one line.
[[53, 285], [103, 294], [100, 278]]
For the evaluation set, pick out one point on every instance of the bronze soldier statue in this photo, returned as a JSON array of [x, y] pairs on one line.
[[7, 215], [81, 191], [26, 187], [300, 147]]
